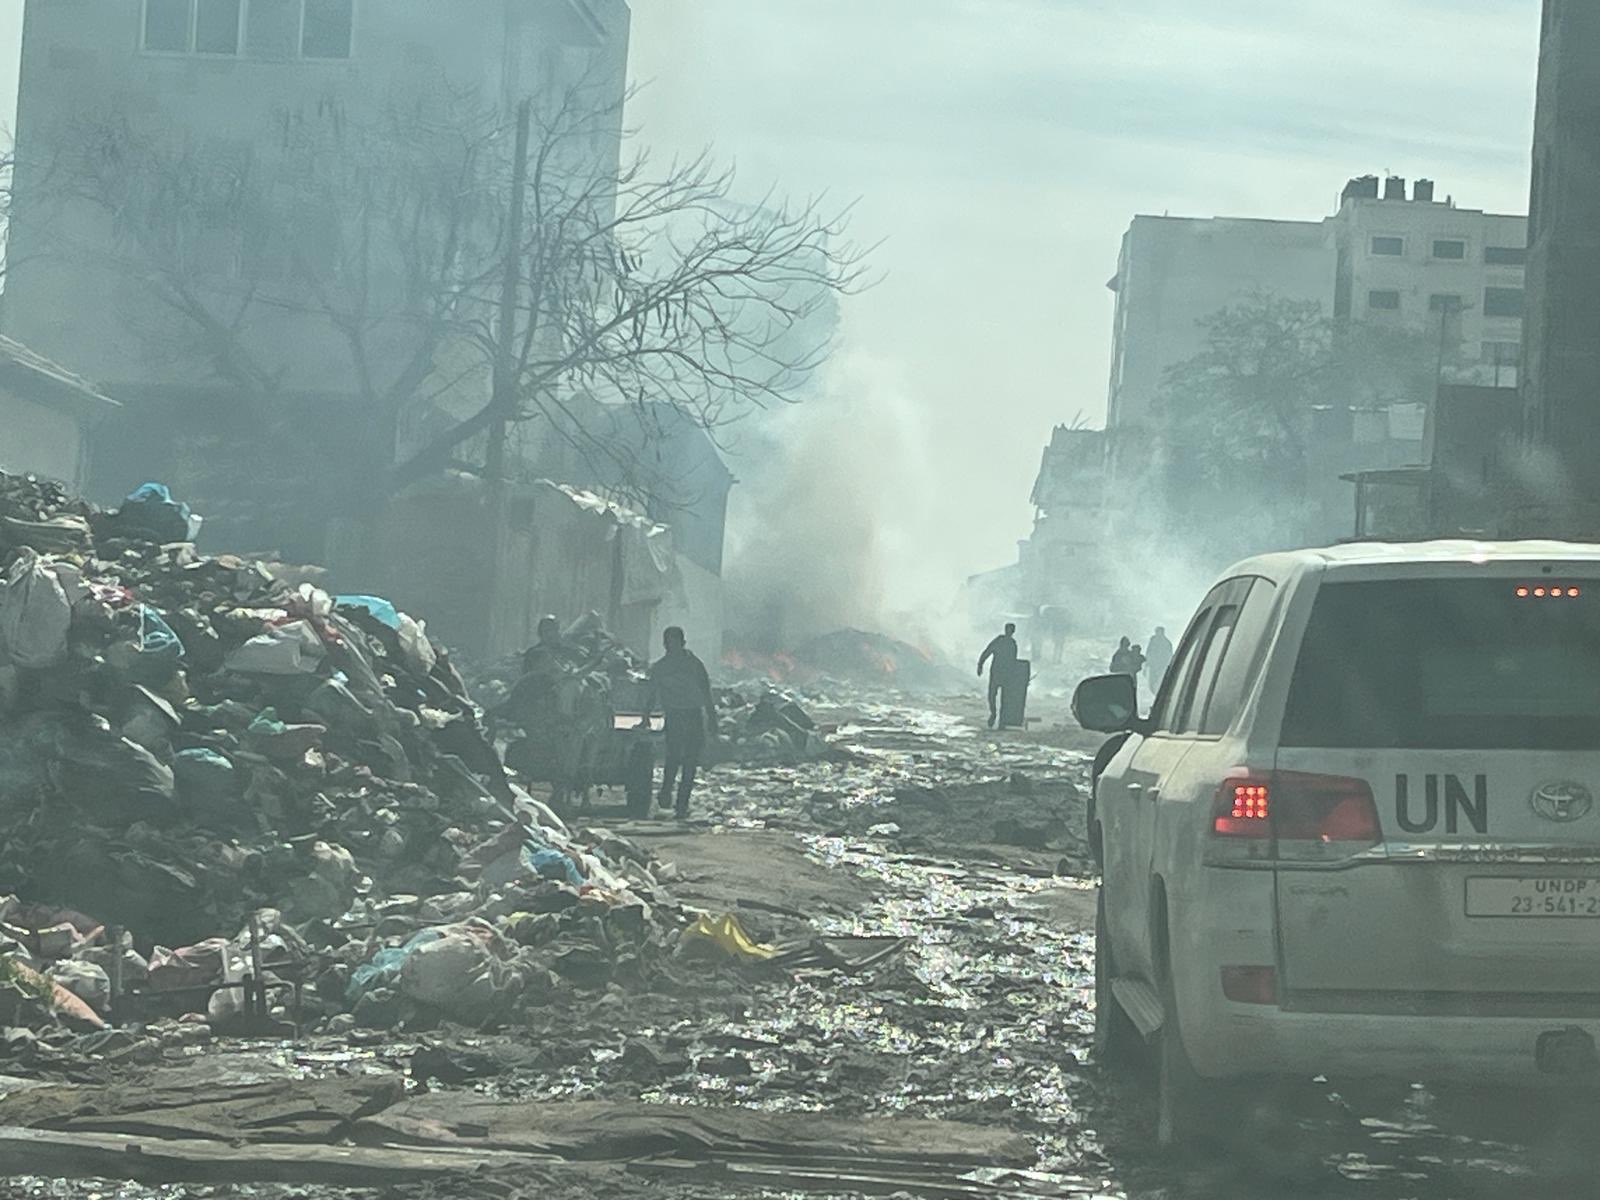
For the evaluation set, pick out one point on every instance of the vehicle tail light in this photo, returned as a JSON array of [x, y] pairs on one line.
[[1303, 815], [1250, 985], [1244, 804]]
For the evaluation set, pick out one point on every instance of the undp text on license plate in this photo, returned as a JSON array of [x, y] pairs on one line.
[[1533, 897]]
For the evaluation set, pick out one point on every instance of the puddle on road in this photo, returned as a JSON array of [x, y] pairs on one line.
[[988, 1018]]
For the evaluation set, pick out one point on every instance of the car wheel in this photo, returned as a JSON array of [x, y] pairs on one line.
[[1117, 1042]]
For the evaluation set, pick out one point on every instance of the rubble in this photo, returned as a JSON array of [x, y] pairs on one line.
[[854, 658], [772, 729], [276, 803]]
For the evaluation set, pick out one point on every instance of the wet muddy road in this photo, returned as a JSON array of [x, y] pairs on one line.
[[967, 848], [989, 1016]]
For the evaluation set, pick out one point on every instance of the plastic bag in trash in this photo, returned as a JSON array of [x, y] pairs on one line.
[[154, 655], [464, 974], [151, 514], [724, 935], [85, 980], [380, 608], [415, 646], [289, 649], [551, 864], [384, 968], [35, 615]]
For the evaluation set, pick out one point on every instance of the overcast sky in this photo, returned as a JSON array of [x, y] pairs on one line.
[[1001, 147]]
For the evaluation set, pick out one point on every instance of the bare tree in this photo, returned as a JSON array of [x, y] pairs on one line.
[[640, 287], [650, 287]]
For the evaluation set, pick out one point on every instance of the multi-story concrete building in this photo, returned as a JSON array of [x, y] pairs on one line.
[[1424, 264], [1174, 272], [195, 115], [1560, 489], [1389, 256], [1386, 256]]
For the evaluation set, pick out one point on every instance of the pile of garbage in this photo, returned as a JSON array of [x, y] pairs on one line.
[[772, 729], [853, 658], [875, 659], [226, 794]]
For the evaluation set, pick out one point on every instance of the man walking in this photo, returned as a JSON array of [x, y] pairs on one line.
[[1001, 655], [681, 689]]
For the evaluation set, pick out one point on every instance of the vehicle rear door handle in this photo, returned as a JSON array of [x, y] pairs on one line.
[[1136, 787]]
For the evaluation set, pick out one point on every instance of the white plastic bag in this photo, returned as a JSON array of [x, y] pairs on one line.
[[35, 615], [461, 974], [414, 644], [87, 981], [290, 649]]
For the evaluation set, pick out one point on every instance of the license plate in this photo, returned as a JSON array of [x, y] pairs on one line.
[[1541, 896]]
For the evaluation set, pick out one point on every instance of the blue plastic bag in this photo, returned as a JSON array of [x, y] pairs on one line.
[[380, 608], [384, 969], [160, 649], [150, 510], [551, 864]]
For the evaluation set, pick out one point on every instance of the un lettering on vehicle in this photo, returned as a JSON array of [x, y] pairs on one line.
[[1442, 799]]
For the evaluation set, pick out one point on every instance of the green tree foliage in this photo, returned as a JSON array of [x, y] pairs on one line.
[[1239, 415]]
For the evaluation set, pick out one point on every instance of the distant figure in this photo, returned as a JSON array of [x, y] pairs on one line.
[[1054, 619], [1135, 659], [680, 688], [544, 656], [1003, 653], [1120, 657], [1158, 657]]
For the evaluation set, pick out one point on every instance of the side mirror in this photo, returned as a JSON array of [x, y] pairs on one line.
[[1107, 703]]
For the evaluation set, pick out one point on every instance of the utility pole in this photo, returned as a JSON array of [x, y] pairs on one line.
[[504, 399]]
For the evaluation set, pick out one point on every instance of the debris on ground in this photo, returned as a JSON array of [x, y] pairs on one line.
[[773, 728], [853, 657], [228, 797]]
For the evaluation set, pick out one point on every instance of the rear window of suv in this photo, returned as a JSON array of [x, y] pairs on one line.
[[1448, 665]]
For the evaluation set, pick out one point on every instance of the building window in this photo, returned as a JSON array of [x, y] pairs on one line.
[[1444, 304], [1389, 247], [268, 29], [1450, 249], [1502, 302], [327, 29], [216, 27], [1506, 256], [274, 28], [167, 25], [1383, 301], [1502, 354]]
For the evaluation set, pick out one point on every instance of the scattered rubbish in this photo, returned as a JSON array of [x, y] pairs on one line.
[[190, 745], [724, 935]]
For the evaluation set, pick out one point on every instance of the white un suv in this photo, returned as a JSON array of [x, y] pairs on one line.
[[1357, 836]]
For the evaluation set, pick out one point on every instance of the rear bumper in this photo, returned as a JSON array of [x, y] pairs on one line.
[[1238, 1040]]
